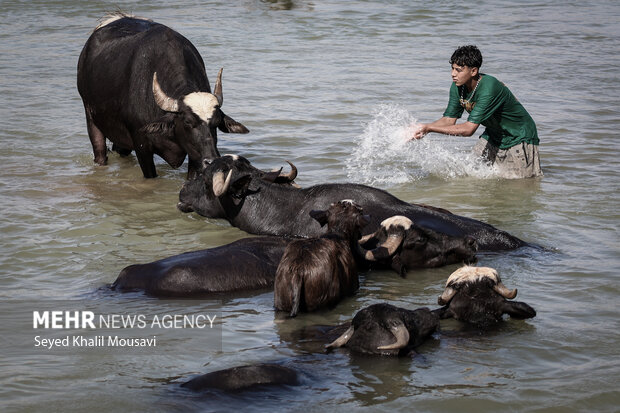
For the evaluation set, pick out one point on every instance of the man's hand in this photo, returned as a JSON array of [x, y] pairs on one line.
[[420, 132]]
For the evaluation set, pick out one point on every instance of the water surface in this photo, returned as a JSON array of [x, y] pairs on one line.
[[333, 87]]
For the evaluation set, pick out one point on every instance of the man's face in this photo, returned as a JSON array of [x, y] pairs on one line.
[[463, 74]]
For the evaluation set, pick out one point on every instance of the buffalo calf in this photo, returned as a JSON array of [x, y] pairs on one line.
[[318, 272]]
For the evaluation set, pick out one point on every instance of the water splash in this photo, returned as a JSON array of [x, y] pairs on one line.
[[384, 154]]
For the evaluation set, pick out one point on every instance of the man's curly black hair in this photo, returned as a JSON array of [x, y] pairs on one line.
[[467, 56]]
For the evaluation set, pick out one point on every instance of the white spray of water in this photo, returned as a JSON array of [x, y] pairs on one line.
[[384, 154]]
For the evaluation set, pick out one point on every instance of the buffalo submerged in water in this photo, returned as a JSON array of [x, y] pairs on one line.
[[145, 88], [246, 264], [226, 189]]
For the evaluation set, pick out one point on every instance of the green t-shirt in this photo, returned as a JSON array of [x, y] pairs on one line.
[[506, 120]]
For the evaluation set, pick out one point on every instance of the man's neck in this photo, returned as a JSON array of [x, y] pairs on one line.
[[469, 86]]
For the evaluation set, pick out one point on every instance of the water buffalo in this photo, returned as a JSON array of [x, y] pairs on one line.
[[246, 264], [259, 207], [476, 295], [401, 244], [244, 378], [145, 88], [318, 272], [388, 330]]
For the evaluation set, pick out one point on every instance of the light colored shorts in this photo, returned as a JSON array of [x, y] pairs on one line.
[[519, 161]]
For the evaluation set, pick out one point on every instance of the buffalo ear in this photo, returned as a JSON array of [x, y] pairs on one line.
[[398, 266], [320, 216], [239, 188], [518, 309], [414, 241], [229, 125], [444, 312], [162, 127], [271, 176], [364, 220]]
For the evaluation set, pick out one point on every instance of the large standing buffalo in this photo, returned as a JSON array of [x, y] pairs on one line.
[[226, 189], [145, 88]]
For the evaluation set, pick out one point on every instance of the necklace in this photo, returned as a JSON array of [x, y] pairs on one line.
[[466, 103]]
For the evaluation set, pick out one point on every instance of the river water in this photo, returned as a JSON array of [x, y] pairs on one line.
[[333, 87]]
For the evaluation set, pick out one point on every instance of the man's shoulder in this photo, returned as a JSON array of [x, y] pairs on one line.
[[492, 83]]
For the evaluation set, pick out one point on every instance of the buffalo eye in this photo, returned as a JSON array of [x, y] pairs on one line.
[[415, 242], [190, 121]]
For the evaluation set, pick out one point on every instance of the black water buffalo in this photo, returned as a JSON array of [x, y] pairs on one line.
[[244, 378], [388, 330], [401, 244], [259, 207], [246, 264], [145, 88], [476, 295], [318, 272]]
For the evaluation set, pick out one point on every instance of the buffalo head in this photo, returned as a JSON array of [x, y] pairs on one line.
[[193, 121], [402, 244], [344, 218], [476, 295], [226, 175], [387, 330]]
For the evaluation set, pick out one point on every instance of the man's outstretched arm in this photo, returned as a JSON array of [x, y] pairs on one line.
[[446, 126]]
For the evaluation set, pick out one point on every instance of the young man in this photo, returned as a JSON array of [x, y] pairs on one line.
[[510, 140]]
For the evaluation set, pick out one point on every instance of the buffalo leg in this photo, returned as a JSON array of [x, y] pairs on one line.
[[145, 159], [97, 140], [121, 151], [193, 168]]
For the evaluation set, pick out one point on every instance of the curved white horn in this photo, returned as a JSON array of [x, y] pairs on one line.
[[447, 295], [291, 175], [502, 290], [366, 238], [164, 101], [391, 244], [220, 185], [217, 90], [402, 337], [342, 340]]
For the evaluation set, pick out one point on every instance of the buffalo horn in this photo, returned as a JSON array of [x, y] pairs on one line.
[[342, 340], [217, 90], [447, 295], [365, 238], [164, 101], [391, 244], [291, 175], [402, 337], [220, 185], [501, 289]]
